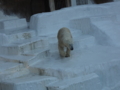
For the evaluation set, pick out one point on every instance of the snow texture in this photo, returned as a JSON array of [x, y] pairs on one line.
[[94, 63]]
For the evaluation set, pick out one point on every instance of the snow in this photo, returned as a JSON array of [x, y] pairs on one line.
[[13, 24], [82, 83], [28, 83], [94, 63], [6, 17], [95, 30]]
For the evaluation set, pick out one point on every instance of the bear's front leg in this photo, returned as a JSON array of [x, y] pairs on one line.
[[61, 51], [67, 52]]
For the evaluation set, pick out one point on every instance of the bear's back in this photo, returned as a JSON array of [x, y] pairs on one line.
[[64, 32], [64, 35]]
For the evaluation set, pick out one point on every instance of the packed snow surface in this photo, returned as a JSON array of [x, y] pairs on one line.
[[96, 35], [94, 63]]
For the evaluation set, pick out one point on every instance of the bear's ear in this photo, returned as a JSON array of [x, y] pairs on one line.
[[71, 47]]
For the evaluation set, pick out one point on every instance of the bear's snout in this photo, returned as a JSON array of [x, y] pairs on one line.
[[71, 48]]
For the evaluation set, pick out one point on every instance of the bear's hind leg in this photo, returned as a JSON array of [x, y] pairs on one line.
[[61, 51], [68, 53]]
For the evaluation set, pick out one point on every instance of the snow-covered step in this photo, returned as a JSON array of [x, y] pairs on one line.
[[36, 52], [11, 70], [82, 24], [28, 58], [23, 46], [27, 83], [20, 34], [86, 82], [79, 42], [116, 87], [106, 32], [8, 25], [7, 67], [76, 33], [38, 55], [109, 17], [82, 61], [53, 41], [14, 74], [106, 88], [85, 41]]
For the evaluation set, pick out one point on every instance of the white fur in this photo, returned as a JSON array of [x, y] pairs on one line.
[[64, 40]]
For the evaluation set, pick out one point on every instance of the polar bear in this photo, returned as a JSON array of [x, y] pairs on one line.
[[65, 41]]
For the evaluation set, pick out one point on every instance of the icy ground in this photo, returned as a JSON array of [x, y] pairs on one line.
[[29, 58]]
